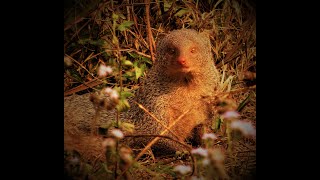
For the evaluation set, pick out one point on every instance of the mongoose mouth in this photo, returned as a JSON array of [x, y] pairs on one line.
[[179, 69], [184, 69], [182, 66]]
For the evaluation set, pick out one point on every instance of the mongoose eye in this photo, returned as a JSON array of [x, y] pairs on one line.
[[171, 51], [193, 50]]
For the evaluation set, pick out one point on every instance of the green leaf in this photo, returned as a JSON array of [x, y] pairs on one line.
[[115, 16], [122, 16], [88, 168], [128, 74], [74, 74], [138, 71], [133, 55], [127, 63], [147, 60], [98, 42], [143, 67], [126, 94], [126, 103], [106, 125], [115, 40], [218, 124], [123, 105], [125, 25], [167, 5], [105, 167], [244, 103], [127, 126], [182, 12], [83, 41]]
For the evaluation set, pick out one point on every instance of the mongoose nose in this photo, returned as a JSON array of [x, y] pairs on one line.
[[181, 60]]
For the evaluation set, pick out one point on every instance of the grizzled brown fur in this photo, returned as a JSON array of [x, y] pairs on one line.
[[183, 74]]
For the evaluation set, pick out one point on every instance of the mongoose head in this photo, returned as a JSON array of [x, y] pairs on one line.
[[183, 51]]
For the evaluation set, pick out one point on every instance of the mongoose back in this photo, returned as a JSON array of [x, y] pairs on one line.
[[182, 75]]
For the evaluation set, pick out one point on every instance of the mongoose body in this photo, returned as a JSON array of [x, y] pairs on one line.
[[176, 86], [182, 76]]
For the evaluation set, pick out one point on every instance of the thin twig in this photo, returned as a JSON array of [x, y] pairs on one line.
[[155, 118], [160, 136], [150, 37], [80, 65], [238, 90], [162, 133]]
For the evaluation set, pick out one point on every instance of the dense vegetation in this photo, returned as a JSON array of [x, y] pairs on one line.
[[121, 35]]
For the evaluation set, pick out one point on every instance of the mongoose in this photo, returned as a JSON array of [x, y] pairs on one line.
[[181, 77]]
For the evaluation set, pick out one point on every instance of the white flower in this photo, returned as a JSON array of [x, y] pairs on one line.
[[245, 127], [217, 155], [182, 169], [107, 90], [108, 142], [230, 115], [209, 136], [111, 92], [74, 160], [200, 151], [117, 133], [206, 162], [114, 94], [104, 70], [125, 154], [127, 157], [67, 60]]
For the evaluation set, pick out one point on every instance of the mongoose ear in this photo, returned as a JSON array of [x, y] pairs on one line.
[[161, 36], [205, 33], [206, 36]]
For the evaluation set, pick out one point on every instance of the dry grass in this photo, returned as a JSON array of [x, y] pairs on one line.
[[116, 33]]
